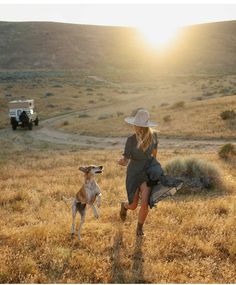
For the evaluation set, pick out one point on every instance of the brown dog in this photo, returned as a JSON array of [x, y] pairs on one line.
[[87, 195]]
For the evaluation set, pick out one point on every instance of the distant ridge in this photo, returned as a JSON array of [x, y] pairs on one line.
[[205, 48]]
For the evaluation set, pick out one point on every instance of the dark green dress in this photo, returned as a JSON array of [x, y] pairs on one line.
[[139, 162]]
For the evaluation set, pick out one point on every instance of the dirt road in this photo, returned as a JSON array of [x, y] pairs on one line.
[[46, 133]]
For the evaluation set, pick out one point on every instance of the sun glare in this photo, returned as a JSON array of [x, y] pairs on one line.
[[159, 36]]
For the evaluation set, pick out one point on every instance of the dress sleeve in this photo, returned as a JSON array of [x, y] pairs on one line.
[[127, 150], [156, 141]]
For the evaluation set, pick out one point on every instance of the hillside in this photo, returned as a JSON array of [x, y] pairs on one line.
[[207, 48]]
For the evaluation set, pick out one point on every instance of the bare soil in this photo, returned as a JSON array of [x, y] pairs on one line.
[[48, 134]]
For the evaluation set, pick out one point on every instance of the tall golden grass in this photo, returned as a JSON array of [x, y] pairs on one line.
[[189, 239]]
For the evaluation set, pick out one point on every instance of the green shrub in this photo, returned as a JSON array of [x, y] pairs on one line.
[[179, 104], [227, 151], [105, 116], [198, 98], [164, 104], [228, 114], [65, 123], [226, 90], [83, 115], [49, 94], [208, 93], [119, 114], [51, 105], [89, 89], [67, 109], [167, 118], [196, 173]]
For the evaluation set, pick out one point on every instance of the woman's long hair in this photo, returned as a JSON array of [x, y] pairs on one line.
[[144, 137]]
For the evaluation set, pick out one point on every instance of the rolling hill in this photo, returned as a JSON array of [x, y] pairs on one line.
[[207, 48]]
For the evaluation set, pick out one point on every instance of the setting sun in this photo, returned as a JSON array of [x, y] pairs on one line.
[[159, 36]]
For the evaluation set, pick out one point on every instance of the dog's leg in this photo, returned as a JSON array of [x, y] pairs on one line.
[[99, 200], [74, 210], [82, 220], [95, 212]]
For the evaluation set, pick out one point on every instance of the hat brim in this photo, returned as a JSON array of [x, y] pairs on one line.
[[131, 121]]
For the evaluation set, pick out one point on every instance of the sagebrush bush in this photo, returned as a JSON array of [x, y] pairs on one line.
[[228, 114], [83, 115], [179, 104], [49, 94], [119, 114], [208, 93], [227, 151], [105, 116], [195, 172], [167, 118], [164, 104], [89, 89], [65, 123]]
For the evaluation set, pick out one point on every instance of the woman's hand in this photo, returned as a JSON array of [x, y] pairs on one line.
[[154, 152], [123, 161]]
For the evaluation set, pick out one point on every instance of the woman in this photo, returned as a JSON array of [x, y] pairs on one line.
[[143, 169]]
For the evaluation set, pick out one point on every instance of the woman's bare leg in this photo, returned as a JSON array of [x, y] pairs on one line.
[[134, 204], [145, 193], [126, 206]]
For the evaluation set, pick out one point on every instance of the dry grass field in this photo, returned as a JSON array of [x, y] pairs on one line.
[[189, 238], [199, 119], [54, 95], [184, 106], [86, 87]]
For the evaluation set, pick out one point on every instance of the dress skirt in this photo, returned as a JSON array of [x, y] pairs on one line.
[[143, 167]]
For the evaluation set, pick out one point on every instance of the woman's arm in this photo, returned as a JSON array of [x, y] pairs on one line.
[[123, 161], [154, 152], [127, 153]]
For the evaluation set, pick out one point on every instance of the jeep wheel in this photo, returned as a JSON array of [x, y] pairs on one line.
[[30, 126], [14, 126], [36, 122], [14, 123]]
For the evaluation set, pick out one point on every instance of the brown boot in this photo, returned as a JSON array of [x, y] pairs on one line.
[[139, 231], [123, 211]]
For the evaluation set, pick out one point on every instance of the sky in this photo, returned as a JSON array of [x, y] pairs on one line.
[[119, 14]]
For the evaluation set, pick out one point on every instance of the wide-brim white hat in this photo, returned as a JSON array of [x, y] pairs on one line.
[[141, 119]]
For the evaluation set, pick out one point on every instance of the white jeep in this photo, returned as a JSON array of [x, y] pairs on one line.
[[21, 113]]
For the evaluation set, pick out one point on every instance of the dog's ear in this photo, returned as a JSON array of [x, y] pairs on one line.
[[83, 169]]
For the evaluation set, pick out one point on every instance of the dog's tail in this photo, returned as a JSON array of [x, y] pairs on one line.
[[66, 200]]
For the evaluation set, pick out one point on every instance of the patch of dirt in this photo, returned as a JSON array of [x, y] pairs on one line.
[[46, 133]]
